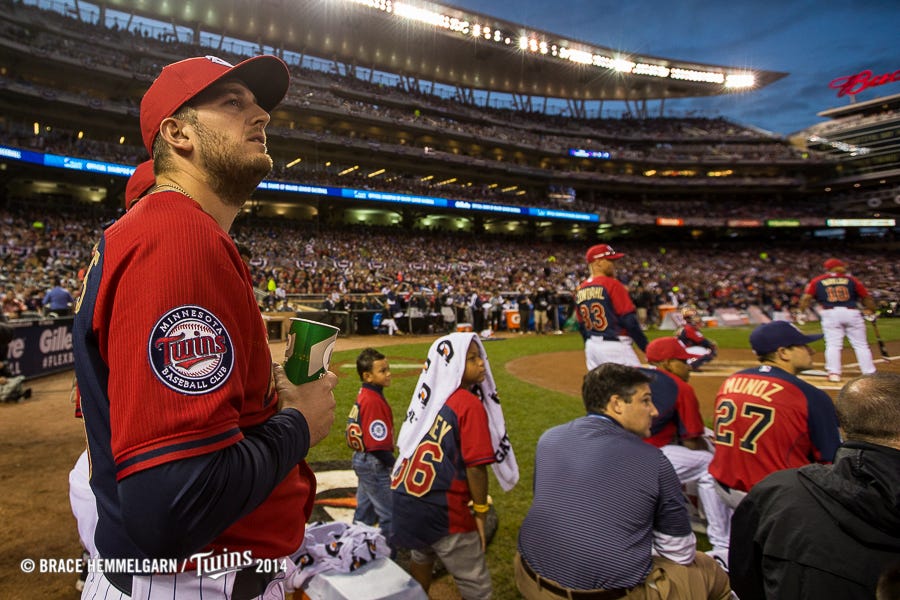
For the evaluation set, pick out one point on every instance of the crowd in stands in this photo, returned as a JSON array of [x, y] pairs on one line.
[[612, 206], [363, 265]]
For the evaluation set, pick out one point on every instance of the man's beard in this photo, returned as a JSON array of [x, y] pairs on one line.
[[232, 174]]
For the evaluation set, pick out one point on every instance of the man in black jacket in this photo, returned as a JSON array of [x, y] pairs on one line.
[[827, 531]]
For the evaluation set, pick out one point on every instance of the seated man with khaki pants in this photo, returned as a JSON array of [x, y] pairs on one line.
[[608, 519]]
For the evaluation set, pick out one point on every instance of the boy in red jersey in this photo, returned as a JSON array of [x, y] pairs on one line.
[[444, 453], [370, 434]]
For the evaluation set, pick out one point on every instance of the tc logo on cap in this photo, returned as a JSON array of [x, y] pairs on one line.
[[602, 251], [218, 61]]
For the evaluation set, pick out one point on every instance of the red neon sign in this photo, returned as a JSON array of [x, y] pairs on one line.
[[854, 84]]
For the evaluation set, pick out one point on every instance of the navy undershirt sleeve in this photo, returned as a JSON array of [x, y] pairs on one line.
[[178, 508], [631, 325], [386, 457]]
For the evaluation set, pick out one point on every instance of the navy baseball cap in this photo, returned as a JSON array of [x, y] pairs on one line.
[[779, 334]]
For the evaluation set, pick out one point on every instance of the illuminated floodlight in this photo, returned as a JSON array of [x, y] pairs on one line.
[[523, 43], [376, 173], [348, 170], [623, 65], [652, 70], [532, 45], [543, 47], [740, 80], [692, 75], [576, 56], [598, 60], [418, 14], [293, 163], [476, 30]]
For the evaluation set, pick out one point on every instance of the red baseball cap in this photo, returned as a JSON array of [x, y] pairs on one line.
[[139, 183], [665, 348], [266, 76], [833, 263], [602, 251]]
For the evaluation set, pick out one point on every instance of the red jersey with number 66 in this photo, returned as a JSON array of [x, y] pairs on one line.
[[431, 491], [768, 420], [370, 424]]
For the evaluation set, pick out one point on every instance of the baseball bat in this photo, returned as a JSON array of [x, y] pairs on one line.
[[881, 345]]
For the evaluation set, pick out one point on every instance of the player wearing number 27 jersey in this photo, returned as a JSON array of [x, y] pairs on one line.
[[766, 418], [606, 314]]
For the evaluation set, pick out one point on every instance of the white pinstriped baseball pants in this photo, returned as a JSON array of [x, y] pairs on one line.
[[183, 586]]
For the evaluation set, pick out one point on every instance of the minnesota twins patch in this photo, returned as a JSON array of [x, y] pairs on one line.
[[190, 350], [378, 430]]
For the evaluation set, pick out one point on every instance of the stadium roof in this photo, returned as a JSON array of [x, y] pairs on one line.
[[451, 46], [880, 104]]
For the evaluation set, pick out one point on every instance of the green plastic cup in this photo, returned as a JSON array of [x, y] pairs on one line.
[[309, 348]]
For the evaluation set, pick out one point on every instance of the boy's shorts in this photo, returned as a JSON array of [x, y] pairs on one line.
[[462, 556]]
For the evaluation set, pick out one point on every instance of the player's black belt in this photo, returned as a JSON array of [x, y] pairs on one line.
[[249, 584], [570, 593]]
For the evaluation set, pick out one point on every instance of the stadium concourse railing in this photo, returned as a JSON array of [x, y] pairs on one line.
[[416, 315]]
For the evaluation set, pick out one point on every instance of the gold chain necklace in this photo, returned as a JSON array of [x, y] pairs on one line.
[[172, 186]]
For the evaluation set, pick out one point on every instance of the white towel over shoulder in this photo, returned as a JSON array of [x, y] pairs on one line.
[[442, 376]]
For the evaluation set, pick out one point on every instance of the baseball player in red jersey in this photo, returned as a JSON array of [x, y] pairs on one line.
[[370, 434], [838, 294], [142, 180], [767, 418], [678, 431], [702, 349], [606, 315], [179, 394]]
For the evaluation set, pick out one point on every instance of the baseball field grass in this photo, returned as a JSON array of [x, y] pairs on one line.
[[529, 411]]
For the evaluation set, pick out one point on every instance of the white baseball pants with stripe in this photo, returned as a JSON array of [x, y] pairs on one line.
[[693, 466], [838, 322]]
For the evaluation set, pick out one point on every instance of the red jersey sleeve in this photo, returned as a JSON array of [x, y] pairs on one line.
[[376, 421], [187, 349], [621, 301], [691, 422], [474, 433]]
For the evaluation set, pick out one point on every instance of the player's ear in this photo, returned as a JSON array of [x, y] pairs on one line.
[[176, 133]]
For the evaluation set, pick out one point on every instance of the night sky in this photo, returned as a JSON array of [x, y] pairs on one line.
[[815, 42]]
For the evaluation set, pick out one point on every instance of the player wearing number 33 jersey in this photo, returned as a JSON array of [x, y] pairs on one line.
[[766, 418], [606, 314]]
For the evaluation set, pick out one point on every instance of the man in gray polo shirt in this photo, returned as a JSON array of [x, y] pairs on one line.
[[608, 518]]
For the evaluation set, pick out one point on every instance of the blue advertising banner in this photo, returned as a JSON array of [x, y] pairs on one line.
[[41, 347]]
